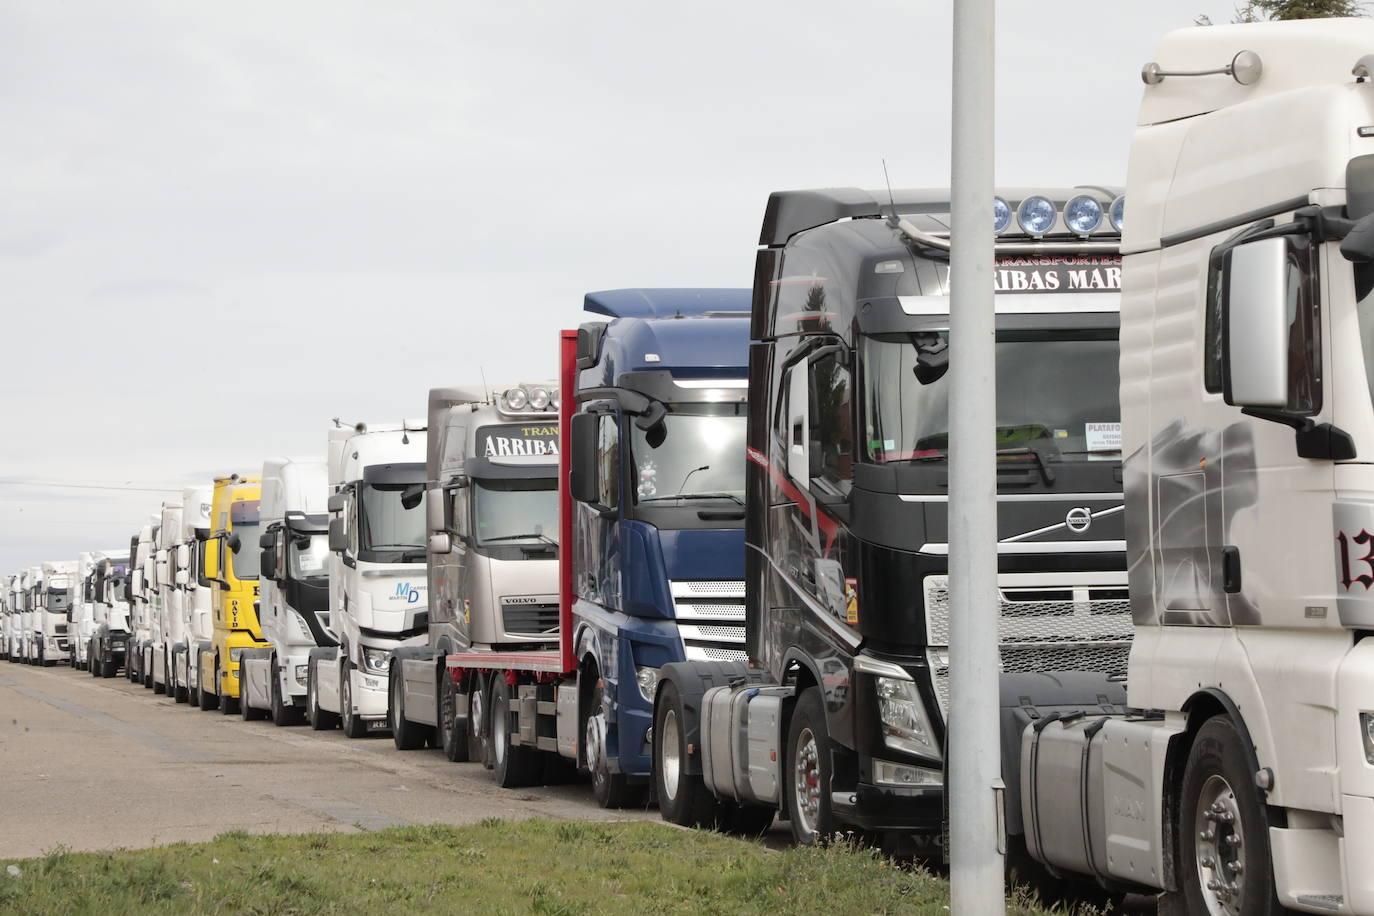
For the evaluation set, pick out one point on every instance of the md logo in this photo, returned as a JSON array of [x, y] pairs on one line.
[[406, 592]]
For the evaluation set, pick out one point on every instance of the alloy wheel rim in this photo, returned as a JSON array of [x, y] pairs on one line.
[[671, 754], [498, 731], [806, 782], [475, 711], [1219, 851]]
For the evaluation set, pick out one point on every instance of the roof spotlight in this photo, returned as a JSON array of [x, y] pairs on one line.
[[1083, 214], [539, 398], [1117, 213], [1035, 216], [517, 398], [1001, 215]]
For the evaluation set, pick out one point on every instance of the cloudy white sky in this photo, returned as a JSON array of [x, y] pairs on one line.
[[223, 224]]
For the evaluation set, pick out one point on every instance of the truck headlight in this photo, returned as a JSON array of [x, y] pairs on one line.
[[903, 717], [302, 673], [375, 660], [647, 679], [1367, 732], [236, 653]]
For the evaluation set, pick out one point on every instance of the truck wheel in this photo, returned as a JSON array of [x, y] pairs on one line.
[[320, 719], [1224, 850], [611, 790], [479, 723], [453, 738], [108, 667], [682, 796], [353, 725], [806, 773], [406, 735], [180, 692], [145, 669], [94, 666], [208, 700], [282, 714], [228, 705], [514, 766]]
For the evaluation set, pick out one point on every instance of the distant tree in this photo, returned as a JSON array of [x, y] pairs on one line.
[[1271, 10]]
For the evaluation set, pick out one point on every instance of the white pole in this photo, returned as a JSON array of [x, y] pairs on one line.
[[975, 863]]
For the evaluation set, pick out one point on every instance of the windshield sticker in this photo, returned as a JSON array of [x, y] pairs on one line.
[[648, 479], [516, 439], [1102, 437], [310, 562], [1058, 274]]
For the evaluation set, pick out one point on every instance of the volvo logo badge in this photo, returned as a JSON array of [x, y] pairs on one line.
[[1079, 519]]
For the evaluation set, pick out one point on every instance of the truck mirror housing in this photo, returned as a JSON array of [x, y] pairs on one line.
[[338, 535], [269, 559], [234, 542], [582, 472], [183, 556], [440, 543], [1254, 317], [434, 513], [181, 577], [411, 495], [267, 540], [336, 503]]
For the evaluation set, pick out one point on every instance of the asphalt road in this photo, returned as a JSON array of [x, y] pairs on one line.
[[100, 764]]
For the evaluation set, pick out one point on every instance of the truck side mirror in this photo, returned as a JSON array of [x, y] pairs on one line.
[[336, 503], [440, 543], [435, 508], [234, 542], [411, 495], [582, 473], [268, 561], [1254, 323], [338, 535], [182, 579]]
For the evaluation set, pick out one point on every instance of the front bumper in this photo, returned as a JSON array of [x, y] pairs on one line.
[[369, 694], [916, 810]]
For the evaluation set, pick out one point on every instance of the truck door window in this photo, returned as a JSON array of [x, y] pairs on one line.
[[1304, 329], [608, 462], [831, 421]]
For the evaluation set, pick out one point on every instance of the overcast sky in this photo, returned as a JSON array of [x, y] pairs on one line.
[[223, 224]]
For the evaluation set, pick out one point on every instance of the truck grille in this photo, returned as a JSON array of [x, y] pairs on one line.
[[710, 616], [530, 619], [1048, 622], [60, 629]]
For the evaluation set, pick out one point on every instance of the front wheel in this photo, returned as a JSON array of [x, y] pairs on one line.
[[453, 737], [682, 796], [406, 735], [611, 790], [320, 719], [352, 724], [1225, 866], [208, 700], [227, 705], [806, 775]]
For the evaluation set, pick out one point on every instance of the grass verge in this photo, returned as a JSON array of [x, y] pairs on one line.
[[550, 867]]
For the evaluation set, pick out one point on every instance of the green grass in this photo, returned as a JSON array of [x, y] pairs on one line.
[[550, 867]]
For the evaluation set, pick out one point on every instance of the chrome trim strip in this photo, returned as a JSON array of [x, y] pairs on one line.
[[1014, 497], [941, 550], [1030, 534]]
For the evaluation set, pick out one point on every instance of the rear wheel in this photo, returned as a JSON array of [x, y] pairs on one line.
[[1225, 866], [406, 735], [682, 796], [807, 771], [479, 723], [320, 719], [611, 790], [453, 738], [208, 700], [514, 766], [352, 724]]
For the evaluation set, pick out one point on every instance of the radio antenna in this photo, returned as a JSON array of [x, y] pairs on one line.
[[890, 199], [486, 392]]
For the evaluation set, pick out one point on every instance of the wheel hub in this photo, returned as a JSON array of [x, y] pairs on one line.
[[806, 781], [1220, 848], [671, 754], [595, 740]]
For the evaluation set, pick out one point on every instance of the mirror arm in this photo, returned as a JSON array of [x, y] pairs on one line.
[[1320, 441]]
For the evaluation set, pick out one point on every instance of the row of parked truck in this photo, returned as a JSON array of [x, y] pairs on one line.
[[705, 560]]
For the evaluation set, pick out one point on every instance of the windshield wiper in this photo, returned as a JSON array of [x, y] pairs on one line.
[[730, 496], [416, 554], [515, 537], [1041, 463]]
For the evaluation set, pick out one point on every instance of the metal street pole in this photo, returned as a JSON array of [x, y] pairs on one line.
[[975, 861]]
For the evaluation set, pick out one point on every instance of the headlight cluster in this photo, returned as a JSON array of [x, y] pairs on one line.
[[903, 717], [302, 674], [536, 398], [647, 679], [375, 661], [1367, 733], [236, 653], [1036, 215]]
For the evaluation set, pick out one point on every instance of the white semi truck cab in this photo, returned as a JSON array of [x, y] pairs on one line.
[[138, 658], [196, 614], [165, 605], [110, 612], [1244, 780], [81, 612], [54, 600], [377, 587], [294, 596]]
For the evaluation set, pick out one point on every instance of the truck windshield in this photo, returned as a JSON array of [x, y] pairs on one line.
[[57, 599], [700, 458], [308, 561], [388, 532], [1056, 396], [516, 512], [247, 558]]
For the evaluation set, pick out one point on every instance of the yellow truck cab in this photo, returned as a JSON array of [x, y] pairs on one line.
[[231, 563]]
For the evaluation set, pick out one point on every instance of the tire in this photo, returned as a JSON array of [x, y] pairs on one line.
[[180, 692], [808, 751], [319, 719], [92, 660], [682, 796], [282, 714], [1219, 799], [228, 705], [514, 766], [145, 669], [611, 790], [479, 721], [406, 735], [453, 738], [353, 726], [108, 668], [208, 700]]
